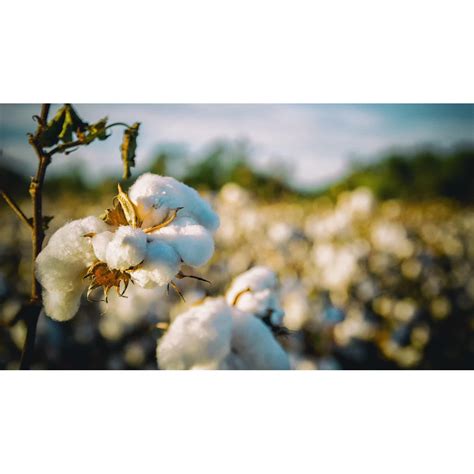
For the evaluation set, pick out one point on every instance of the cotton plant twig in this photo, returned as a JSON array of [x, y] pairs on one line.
[[37, 237], [16, 209]]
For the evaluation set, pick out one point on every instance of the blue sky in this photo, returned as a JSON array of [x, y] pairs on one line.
[[316, 142]]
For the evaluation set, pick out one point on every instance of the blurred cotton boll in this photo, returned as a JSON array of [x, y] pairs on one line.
[[256, 292], [220, 334], [197, 339]]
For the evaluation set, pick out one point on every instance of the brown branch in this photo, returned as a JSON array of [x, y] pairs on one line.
[[16, 209], [66, 146], [44, 114], [37, 237]]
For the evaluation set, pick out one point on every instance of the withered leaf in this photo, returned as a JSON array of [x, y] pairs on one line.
[[128, 148], [61, 127], [96, 130], [49, 135]]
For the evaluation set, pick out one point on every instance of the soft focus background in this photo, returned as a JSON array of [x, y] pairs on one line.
[[365, 212]]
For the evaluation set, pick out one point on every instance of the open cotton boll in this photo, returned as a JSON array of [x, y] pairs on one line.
[[100, 243], [193, 242], [161, 264], [257, 279], [197, 339], [63, 305], [256, 292], [61, 265], [156, 195], [254, 346], [126, 249]]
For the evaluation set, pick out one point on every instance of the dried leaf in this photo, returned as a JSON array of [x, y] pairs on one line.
[[72, 124], [96, 130], [128, 148], [49, 135], [61, 127]]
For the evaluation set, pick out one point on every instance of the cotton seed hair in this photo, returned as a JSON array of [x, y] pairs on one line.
[[145, 238]]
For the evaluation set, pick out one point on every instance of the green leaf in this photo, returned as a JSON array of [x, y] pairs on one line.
[[128, 148]]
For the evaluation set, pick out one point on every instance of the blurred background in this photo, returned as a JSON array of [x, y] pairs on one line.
[[365, 212]]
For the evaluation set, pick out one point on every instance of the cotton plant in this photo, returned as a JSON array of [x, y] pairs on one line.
[[61, 134], [145, 238], [235, 331]]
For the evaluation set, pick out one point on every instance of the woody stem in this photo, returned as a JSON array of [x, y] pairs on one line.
[[37, 237]]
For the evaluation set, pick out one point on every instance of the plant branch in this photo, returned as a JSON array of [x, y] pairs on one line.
[[117, 124], [37, 237], [16, 209], [64, 147], [77, 143]]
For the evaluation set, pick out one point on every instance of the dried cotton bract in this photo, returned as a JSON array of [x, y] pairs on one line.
[[231, 333], [145, 238]]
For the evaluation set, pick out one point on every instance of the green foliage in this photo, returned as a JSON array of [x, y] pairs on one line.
[[221, 164], [424, 174]]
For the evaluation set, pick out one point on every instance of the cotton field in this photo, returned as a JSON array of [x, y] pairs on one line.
[[358, 284]]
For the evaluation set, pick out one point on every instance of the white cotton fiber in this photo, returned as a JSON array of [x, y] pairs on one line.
[[160, 266], [156, 195], [262, 297], [197, 339], [254, 346], [61, 266], [193, 242], [126, 249], [99, 244]]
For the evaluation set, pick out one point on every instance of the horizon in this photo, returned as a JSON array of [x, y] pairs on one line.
[[317, 143]]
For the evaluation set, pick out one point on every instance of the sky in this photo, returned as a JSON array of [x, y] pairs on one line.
[[316, 143]]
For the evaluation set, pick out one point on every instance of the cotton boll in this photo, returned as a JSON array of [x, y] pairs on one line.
[[161, 264], [199, 338], [257, 278], [63, 305], [126, 249], [100, 243], [193, 242], [156, 195], [61, 266], [253, 345], [256, 292]]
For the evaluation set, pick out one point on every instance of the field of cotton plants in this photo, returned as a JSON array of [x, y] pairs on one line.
[[358, 284]]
